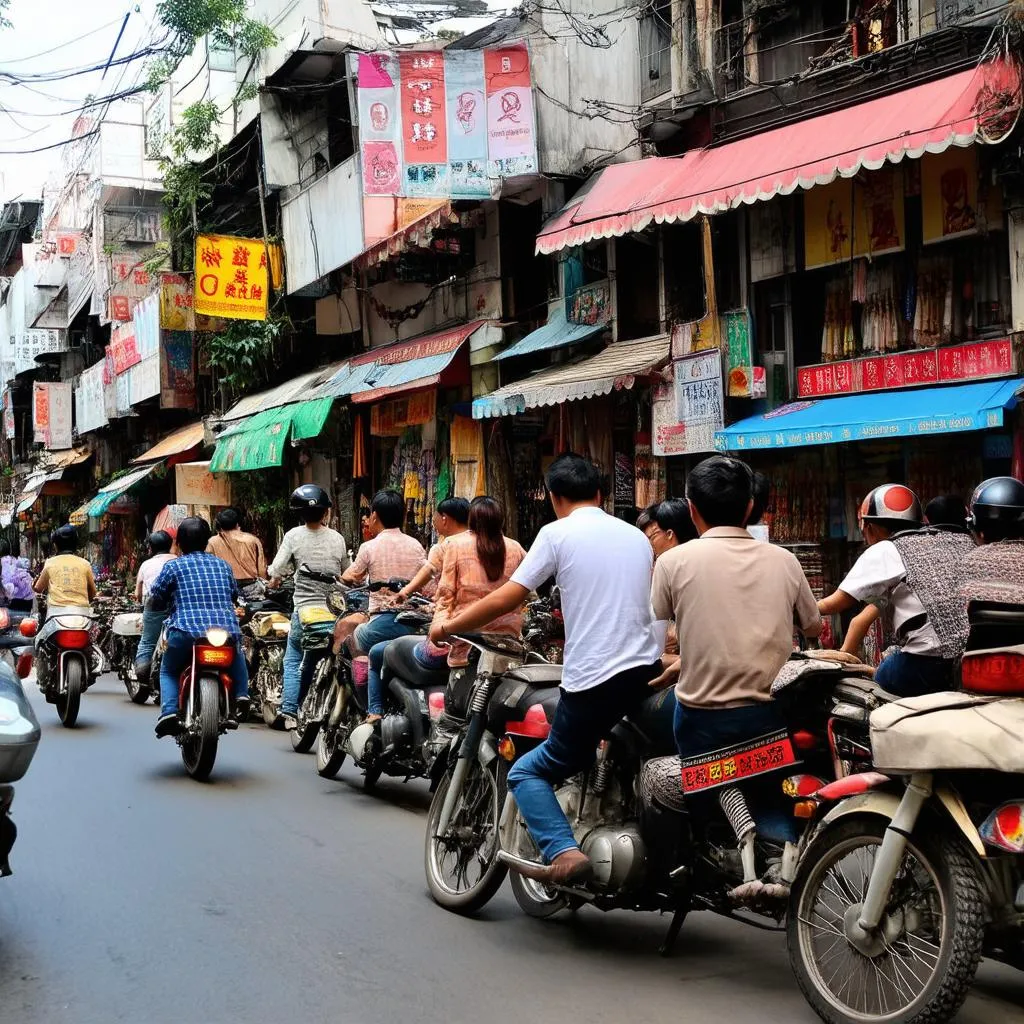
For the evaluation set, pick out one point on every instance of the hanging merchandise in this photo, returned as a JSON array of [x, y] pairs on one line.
[[359, 460], [501, 484], [467, 455], [837, 338], [649, 469], [414, 474], [880, 316], [933, 310]]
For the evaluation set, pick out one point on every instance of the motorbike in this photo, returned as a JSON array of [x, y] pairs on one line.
[[65, 657], [14, 645], [915, 871], [266, 623], [544, 631], [628, 811], [205, 701], [121, 650]]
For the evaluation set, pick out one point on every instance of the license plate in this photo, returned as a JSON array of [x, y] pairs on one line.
[[742, 761]]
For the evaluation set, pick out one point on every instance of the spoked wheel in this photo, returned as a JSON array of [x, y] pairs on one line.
[[462, 866], [307, 721], [919, 966], [138, 693], [69, 697], [330, 745], [199, 746]]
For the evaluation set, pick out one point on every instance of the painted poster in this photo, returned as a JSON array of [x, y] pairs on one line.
[[9, 428], [668, 435], [40, 412], [89, 408], [177, 374], [699, 398], [511, 133], [380, 124], [740, 369], [950, 205], [231, 277], [124, 348], [59, 435], [424, 127], [467, 124]]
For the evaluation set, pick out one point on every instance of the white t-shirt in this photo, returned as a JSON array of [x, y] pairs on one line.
[[603, 570], [149, 570], [880, 571]]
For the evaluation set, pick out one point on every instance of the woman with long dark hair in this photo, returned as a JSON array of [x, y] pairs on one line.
[[475, 564]]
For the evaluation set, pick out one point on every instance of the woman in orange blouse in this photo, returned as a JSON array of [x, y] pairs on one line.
[[475, 563]]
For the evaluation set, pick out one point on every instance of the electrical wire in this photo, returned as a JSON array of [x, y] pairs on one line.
[[60, 46]]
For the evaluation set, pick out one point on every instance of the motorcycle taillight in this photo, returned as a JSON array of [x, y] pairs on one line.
[[72, 639], [993, 673], [218, 657], [24, 666], [1004, 828], [533, 724]]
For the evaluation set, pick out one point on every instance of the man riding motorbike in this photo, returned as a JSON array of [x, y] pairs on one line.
[[160, 544], [199, 592], [997, 518], [919, 570], [242, 551], [321, 549], [734, 602], [602, 567]]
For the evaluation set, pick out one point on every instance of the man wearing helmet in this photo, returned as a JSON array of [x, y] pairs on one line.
[[997, 518], [919, 570], [324, 551]]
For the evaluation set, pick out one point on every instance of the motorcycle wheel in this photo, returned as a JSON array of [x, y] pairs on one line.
[[199, 750], [464, 876], [69, 700], [270, 713], [535, 898], [307, 722], [137, 692], [931, 939], [330, 752]]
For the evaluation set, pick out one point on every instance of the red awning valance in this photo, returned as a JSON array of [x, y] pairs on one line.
[[979, 105]]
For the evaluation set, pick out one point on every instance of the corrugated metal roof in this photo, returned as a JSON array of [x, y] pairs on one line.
[[294, 390], [174, 444], [616, 367], [556, 333]]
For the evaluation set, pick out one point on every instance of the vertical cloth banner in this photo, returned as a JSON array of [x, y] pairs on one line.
[[40, 412], [232, 277], [177, 372], [740, 368], [144, 380], [424, 122], [60, 417], [124, 348], [9, 428], [90, 413], [380, 123], [511, 131], [699, 399], [467, 124]]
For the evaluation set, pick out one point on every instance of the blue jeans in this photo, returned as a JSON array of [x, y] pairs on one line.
[[374, 637], [911, 675], [177, 658], [152, 623], [298, 670], [582, 720], [433, 662]]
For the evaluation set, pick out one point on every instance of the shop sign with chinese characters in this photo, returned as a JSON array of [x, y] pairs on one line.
[[196, 485], [231, 277], [130, 282], [700, 403], [976, 360], [177, 300]]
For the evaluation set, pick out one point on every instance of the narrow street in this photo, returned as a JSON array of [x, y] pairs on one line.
[[270, 894]]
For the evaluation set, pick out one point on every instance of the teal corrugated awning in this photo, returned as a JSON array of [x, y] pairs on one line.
[[875, 416], [109, 494], [556, 333], [258, 442]]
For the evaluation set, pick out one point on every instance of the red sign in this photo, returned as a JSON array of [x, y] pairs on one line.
[[124, 348], [974, 361], [424, 109], [68, 242], [732, 764]]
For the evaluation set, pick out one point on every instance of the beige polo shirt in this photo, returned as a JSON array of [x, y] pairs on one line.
[[735, 602]]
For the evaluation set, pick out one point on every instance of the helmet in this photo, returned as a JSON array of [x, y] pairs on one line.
[[892, 505], [65, 538], [998, 503], [308, 496]]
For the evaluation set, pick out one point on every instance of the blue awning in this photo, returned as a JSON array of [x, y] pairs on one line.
[[556, 333], [874, 417]]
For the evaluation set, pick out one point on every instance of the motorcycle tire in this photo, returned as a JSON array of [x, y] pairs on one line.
[[199, 752], [371, 776], [138, 693], [535, 898], [70, 699], [952, 873], [483, 813], [304, 734], [330, 753]]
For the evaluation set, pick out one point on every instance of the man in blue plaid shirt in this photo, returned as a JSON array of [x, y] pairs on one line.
[[200, 591]]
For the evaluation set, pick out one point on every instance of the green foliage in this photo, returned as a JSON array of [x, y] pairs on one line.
[[225, 21], [263, 495], [195, 133], [251, 36], [159, 71], [245, 352]]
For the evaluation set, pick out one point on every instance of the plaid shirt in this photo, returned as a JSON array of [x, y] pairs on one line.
[[390, 555], [200, 590]]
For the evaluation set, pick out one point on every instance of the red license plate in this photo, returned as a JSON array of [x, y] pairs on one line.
[[734, 764]]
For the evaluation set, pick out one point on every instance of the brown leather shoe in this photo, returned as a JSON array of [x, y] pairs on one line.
[[568, 868]]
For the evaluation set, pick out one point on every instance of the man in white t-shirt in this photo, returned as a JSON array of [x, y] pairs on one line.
[[602, 566], [160, 543]]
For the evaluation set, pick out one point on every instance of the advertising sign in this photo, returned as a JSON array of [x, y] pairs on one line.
[[231, 277], [511, 134], [90, 413], [700, 399], [177, 371], [196, 485]]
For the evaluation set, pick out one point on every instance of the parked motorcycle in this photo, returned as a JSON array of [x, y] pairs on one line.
[[205, 701], [13, 643], [627, 811], [266, 623], [916, 870], [65, 659]]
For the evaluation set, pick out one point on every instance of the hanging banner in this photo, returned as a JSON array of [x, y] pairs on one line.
[[424, 122], [177, 299], [511, 133], [32, 343], [467, 124], [389, 419], [740, 368], [123, 348], [40, 412], [177, 374], [9, 429], [196, 485], [699, 399], [231, 277], [90, 413], [59, 436], [130, 282], [379, 124], [668, 435]]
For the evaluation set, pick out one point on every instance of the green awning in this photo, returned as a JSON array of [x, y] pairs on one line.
[[109, 494], [258, 441]]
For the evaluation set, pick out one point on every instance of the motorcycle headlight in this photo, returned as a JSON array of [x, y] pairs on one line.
[[217, 637]]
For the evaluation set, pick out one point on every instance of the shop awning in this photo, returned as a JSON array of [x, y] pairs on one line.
[[616, 367], [556, 333], [414, 235], [122, 485], [978, 105], [258, 442], [182, 440], [58, 461], [874, 417], [293, 390], [406, 366], [27, 500]]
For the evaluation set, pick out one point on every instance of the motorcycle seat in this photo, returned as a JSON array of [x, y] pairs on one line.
[[541, 674], [399, 661], [863, 692]]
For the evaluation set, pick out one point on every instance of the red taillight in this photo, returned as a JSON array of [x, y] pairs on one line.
[[804, 740], [24, 666], [215, 656], [435, 702], [72, 639], [534, 724], [995, 674], [28, 627], [1004, 828]]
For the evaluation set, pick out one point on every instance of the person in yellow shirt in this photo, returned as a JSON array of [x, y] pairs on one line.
[[66, 580]]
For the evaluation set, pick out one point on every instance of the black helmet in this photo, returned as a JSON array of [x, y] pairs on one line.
[[65, 538], [997, 508], [309, 496]]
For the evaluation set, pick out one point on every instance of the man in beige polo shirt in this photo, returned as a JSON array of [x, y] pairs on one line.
[[735, 602]]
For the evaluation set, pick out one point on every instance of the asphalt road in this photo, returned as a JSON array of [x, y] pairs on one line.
[[271, 895]]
